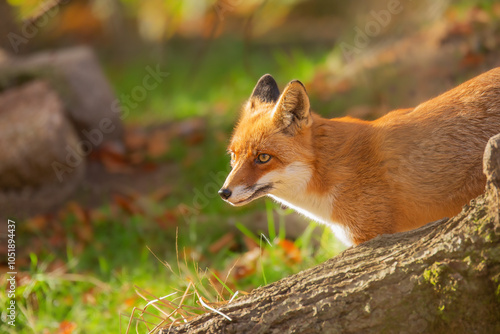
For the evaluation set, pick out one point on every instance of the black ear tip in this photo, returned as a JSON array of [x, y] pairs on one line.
[[266, 89], [267, 79], [266, 76]]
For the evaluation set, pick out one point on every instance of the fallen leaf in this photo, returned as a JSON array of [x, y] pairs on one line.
[[195, 138], [131, 301], [58, 240], [78, 211], [126, 204], [240, 272], [66, 327], [291, 250], [167, 220], [250, 243], [137, 157], [158, 144], [247, 264], [226, 241], [97, 215], [37, 223], [191, 130], [135, 139], [160, 193], [149, 167], [114, 161], [83, 229]]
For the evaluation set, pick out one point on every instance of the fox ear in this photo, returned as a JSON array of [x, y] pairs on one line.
[[292, 112], [266, 90]]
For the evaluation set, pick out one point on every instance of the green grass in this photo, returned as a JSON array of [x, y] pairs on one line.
[[82, 273], [89, 285], [84, 268], [214, 85]]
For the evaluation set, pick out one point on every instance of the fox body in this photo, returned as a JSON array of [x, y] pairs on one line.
[[364, 178]]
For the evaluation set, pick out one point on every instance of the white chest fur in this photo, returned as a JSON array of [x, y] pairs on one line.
[[290, 190]]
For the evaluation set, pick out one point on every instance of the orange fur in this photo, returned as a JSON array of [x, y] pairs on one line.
[[394, 174]]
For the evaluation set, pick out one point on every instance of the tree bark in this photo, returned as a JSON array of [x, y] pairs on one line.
[[441, 278]]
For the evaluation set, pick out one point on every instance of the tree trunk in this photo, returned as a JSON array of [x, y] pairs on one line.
[[441, 278]]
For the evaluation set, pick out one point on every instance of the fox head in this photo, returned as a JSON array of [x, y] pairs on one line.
[[270, 147]]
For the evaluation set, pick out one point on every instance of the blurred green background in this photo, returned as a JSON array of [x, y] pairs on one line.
[[85, 267]]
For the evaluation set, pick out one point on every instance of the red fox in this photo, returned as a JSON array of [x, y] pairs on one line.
[[364, 178]]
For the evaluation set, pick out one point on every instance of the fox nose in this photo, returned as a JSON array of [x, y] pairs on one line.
[[225, 193]]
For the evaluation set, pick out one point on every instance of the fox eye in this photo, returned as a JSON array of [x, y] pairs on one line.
[[263, 158], [233, 157]]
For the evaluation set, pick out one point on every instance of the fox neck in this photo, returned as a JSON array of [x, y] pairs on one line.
[[293, 192], [315, 207], [312, 187]]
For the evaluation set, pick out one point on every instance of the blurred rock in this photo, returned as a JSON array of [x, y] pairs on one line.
[[76, 75], [36, 141]]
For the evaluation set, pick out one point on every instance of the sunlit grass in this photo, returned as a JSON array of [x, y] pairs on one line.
[[112, 271], [202, 284], [219, 86], [92, 288], [89, 263]]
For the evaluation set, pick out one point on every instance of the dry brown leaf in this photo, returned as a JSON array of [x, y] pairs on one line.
[[167, 220], [131, 301], [137, 157], [158, 143], [195, 138], [78, 211], [114, 161], [37, 223], [135, 139], [149, 167], [247, 264], [291, 250], [160, 193], [66, 327], [250, 243], [58, 240], [96, 215], [126, 204], [226, 241]]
